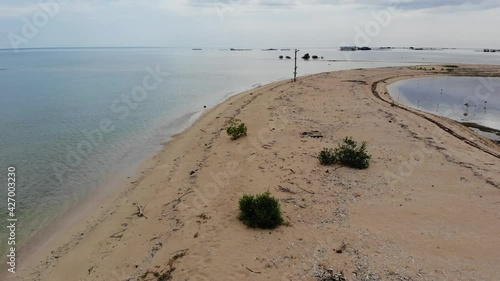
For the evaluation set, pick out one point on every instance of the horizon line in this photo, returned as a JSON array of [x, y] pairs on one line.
[[225, 47]]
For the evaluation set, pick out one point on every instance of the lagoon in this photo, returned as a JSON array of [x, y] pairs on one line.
[[473, 101]]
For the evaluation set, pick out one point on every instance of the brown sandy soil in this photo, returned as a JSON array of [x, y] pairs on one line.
[[428, 207]]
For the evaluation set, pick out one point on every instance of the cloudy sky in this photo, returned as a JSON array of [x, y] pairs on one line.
[[249, 23]]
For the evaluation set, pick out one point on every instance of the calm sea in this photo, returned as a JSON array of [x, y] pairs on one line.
[[71, 117]]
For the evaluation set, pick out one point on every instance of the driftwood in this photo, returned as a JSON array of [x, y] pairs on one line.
[[178, 199], [310, 192], [117, 235], [285, 189], [140, 210], [252, 270], [312, 134]]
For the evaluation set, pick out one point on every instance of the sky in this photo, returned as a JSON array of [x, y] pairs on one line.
[[249, 23]]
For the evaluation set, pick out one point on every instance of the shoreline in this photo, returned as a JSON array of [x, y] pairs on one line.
[[74, 216], [109, 186], [116, 202]]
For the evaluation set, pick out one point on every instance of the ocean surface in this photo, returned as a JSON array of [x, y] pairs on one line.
[[70, 118], [470, 100]]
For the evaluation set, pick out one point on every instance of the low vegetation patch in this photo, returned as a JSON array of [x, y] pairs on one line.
[[260, 211], [327, 157], [236, 129], [348, 153]]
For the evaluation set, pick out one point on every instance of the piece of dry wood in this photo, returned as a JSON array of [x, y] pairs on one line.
[[140, 210], [252, 270], [118, 235], [286, 189], [188, 191], [310, 192]]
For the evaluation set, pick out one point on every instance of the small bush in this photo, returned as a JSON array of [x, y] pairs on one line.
[[261, 211], [327, 157], [348, 153], [353, 155], [236, 129]]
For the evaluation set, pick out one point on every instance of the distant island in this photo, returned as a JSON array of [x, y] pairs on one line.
[[354, 48], [233, 49]]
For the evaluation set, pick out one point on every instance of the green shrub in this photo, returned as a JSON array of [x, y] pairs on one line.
[[353, 155], [236, 129], [261, 211], [327, 157], [348, 153]]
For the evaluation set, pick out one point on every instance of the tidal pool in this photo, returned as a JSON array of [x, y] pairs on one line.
[[473, 101]]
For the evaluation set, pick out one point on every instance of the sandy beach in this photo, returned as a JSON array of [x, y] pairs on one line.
[[427, 208]]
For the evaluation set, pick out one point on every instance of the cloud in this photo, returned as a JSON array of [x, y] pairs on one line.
[[432, 4], [18, 8], [229, 23], [401, 4], [10, 11]]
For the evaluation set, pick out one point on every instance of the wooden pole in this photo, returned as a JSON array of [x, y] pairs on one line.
[[295, 70]]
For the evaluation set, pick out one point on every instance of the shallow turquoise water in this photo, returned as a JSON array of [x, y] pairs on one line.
[[51, 100]]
